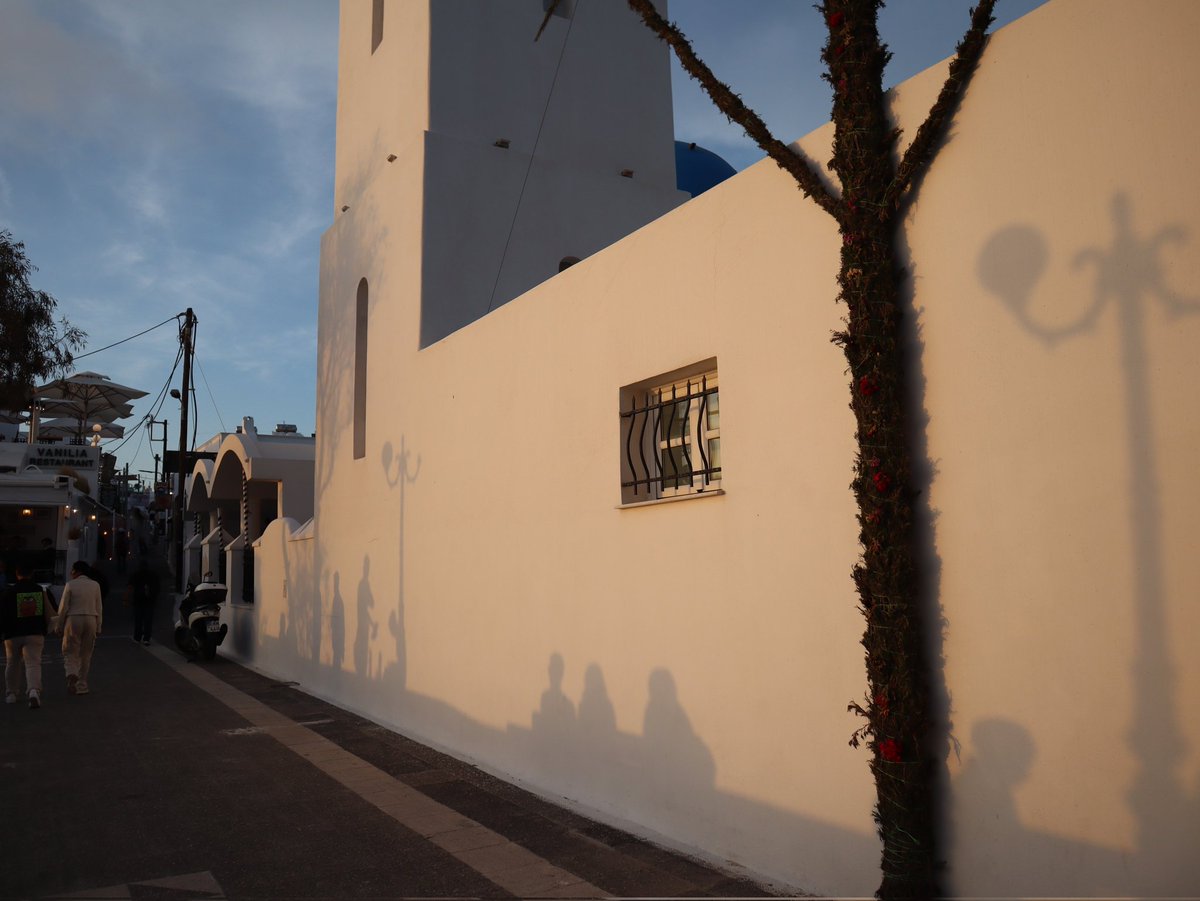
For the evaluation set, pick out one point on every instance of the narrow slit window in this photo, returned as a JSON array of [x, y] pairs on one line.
[[360, 372], [376, 24]]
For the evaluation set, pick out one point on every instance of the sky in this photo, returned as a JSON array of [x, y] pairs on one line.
[[159, 155]]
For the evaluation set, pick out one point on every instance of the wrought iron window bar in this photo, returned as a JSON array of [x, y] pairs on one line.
[[651, 474]]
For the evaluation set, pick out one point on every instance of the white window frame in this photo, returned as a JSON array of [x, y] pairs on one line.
[[668, 419]]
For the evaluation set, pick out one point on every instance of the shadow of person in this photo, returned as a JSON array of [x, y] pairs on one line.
[[994, 851], [366, 628], [553, 724], [398, 473], [603, 751], [337, 624], [680, 764], [555, 716], [597, 720]]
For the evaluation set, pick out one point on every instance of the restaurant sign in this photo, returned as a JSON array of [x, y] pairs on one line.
[[48, 456]]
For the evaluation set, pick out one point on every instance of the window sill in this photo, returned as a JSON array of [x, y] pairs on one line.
[[714, 492]]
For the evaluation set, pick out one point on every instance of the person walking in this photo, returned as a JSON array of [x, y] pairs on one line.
[[80, 619], [142, 592], [26, 613]]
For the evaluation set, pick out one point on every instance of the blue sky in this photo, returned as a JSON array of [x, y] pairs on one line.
[[161, 155]]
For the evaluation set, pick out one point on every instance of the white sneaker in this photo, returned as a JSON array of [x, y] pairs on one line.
[[81, 689], [10, 698], [35, 699]]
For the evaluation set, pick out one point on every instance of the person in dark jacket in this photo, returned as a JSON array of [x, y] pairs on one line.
[[142, 592], [26, 613]]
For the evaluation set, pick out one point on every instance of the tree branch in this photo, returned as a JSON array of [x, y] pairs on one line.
[[962, 67], [729, 103]]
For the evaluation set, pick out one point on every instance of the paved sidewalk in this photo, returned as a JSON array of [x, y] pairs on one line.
[[174, 780]]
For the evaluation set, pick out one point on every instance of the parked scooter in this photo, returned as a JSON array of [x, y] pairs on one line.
[[199, 629]]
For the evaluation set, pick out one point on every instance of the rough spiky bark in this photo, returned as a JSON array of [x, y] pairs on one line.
[[874, 187]]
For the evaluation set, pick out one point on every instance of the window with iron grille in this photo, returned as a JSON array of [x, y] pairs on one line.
[[671, 435]]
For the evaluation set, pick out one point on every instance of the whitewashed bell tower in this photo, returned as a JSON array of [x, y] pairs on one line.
[[520, 157]]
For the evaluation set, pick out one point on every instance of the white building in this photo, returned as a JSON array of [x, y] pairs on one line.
[[49, 516], [479, 575], [241, 482]]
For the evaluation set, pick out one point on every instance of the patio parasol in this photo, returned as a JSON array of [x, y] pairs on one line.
[[73, 409], [91, 394], [70, 428]]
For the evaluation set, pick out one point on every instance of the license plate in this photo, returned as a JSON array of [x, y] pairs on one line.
[[213, 626]]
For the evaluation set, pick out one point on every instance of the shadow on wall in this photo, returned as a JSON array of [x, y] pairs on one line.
[[356, 238], [670, 762], [1001, 850], [667, 775], [928, 588], [1128, 275], [396, 470]]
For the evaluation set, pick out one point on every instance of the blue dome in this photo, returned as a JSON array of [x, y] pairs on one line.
[[697, 169]]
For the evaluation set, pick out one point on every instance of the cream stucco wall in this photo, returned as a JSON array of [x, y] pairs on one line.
[[685, 668], [1058, 318]]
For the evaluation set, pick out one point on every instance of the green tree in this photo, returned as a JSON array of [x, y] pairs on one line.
[[33, 345], [875, 183]]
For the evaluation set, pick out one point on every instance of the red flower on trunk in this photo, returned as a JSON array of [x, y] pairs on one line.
[[882, 482], [889, 749]]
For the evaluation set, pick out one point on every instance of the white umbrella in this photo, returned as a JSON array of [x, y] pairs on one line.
[[73, 409], [70, 428], [91, 391]]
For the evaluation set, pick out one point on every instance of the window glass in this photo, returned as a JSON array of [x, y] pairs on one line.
[[671, 432]]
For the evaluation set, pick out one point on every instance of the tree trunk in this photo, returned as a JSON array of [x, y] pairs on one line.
[[874, 186]]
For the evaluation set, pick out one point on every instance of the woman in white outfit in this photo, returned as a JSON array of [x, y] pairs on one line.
[[80, 617]]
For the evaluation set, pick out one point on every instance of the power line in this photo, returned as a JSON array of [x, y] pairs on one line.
[[529, 167], [159, 399], [123, 340], [210, 394]]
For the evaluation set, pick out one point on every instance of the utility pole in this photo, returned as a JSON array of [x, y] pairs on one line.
[[151, 423], [189, 322]]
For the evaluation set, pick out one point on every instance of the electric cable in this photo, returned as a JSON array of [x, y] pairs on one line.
[[216, 410], [123, 340], [195, 410], [159, 399], [529, 168]]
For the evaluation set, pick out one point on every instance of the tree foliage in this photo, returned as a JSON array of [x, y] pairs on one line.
[[34, 345], [875, 183]]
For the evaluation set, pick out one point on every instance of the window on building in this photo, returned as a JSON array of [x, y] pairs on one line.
[[376, 24], [360, 372], [671, 435]]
